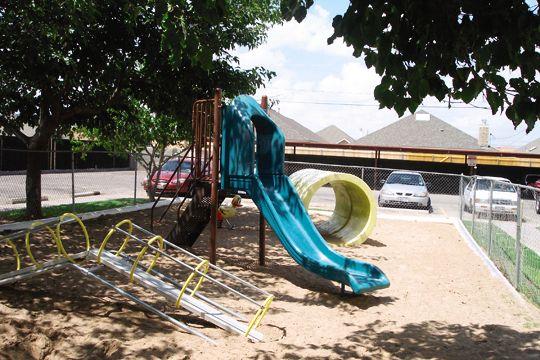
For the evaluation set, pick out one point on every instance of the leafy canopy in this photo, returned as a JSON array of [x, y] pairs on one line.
[[455, 49], [72, 64], [66, 63]]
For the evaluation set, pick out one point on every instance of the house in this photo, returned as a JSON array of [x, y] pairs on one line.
[[334, 135], [422, 129], [294, 131], [532, 148]]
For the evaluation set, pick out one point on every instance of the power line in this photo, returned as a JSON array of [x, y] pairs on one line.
[[325, 91], [507, 137], [376, 105]]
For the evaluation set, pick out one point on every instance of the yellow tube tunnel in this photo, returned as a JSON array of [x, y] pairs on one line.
[[355, 210]]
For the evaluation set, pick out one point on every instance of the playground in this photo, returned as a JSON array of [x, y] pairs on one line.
[[443, 303], [273, 281]]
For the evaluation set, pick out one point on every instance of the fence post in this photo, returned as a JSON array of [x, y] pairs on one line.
[[72, 182], [490, 222], [519, 220], [461, 197], [1, 152], [135, 184], [473, 210]]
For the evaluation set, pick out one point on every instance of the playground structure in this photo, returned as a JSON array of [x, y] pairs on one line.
[[254, 167], [238, 148], [355, 211], [153, 278]]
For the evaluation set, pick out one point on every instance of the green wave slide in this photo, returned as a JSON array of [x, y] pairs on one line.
[[252, 160]]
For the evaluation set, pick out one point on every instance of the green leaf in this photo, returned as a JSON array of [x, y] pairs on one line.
[[494, 101]]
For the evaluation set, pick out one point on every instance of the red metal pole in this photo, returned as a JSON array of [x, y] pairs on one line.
[[215, 176], [262, 221]]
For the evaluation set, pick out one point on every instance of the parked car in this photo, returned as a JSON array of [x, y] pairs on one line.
[[533, 180], [477, 194], [405, 188], [177, 182]]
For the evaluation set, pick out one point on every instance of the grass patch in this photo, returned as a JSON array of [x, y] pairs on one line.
[[57, 210], [504, 251]]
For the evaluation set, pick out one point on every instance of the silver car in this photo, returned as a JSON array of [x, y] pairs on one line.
[[405, 188]]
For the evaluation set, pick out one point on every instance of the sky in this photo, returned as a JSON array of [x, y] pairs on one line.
[[309, 70]]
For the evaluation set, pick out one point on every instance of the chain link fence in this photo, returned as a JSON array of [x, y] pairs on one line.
[[502, 218], [81, 182]]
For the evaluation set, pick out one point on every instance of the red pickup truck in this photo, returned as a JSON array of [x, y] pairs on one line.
[[178, 182], [533, 180]]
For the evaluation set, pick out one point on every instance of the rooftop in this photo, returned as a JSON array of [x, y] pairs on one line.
[[532, 148], [334, 135], [421, 130], [294, 131]]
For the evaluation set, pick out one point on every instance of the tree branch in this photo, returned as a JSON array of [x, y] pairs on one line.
[[91, 111], [9, 129]]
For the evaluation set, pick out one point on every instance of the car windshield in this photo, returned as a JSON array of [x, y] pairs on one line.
[[504, 187], [171, 165], [484, 184], [405, 179]]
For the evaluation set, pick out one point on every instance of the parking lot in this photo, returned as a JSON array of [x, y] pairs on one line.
[[57, 187]]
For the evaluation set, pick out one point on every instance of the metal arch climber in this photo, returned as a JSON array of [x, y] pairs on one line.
[[355, 210], [147, 276]]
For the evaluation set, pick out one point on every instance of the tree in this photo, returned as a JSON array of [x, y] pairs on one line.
[[67, 64], [447, 49], [137, 132]]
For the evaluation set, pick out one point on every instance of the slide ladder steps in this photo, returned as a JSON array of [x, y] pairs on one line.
[[170, 292], [193, 219]]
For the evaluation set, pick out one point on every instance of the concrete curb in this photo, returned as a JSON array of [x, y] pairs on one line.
[[495, 272], [88, 215]]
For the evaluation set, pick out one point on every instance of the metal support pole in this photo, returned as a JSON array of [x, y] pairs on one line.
[[362, 173], [262, 221], [72, 182], [519, 220], [135, 184], [473, 206], [1, 152], [490, 224], [461, 197], [215, 175]]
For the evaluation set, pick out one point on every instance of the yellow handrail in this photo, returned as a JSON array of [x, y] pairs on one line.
[[259, 315], [205, 265], [157, 238], [27, 241], [61, 249], [110, 233], [15, 252]]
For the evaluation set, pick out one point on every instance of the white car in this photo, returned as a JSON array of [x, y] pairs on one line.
[[505, 196], [405, 188]]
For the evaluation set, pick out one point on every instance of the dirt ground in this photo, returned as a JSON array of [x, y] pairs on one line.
[[442, 303]]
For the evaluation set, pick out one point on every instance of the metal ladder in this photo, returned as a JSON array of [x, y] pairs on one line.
[[185, 294]]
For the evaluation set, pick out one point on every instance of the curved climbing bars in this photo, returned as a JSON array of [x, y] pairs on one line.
[[59, 243], [204, 266]]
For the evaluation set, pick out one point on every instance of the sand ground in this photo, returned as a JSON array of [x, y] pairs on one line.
[[442, 303]]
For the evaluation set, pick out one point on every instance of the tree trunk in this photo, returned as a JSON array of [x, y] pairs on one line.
[[33, 183], [37, 146]]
